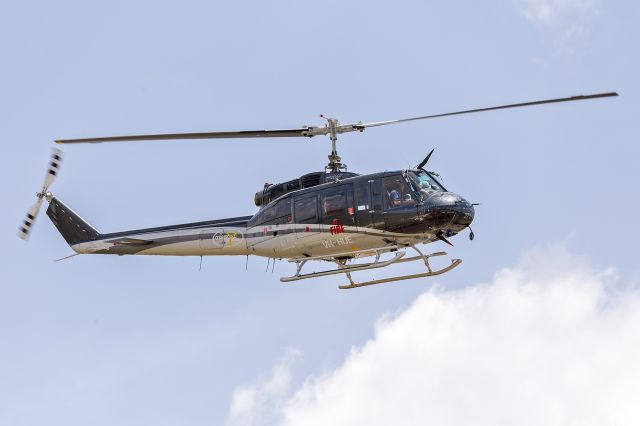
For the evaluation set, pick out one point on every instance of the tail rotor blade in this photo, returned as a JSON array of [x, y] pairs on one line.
[[52, 172], [27, 223], [54, 166]]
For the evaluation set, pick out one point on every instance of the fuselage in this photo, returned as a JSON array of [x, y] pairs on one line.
[[333, 219]]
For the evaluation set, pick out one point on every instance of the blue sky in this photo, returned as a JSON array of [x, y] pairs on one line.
[[129, 340]]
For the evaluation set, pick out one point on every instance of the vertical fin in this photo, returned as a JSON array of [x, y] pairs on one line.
[[72, 227]]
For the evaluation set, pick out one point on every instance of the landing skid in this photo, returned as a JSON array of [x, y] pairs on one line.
[[454, 263], [343, 268]]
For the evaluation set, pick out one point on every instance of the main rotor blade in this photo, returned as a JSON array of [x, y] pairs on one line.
[[468, 111], [312, 131], [282, 133]]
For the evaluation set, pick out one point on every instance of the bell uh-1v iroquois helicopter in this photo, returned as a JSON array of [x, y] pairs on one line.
[[334, 215]]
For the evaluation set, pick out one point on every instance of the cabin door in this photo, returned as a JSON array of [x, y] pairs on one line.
[[305, 216], [368, 204]]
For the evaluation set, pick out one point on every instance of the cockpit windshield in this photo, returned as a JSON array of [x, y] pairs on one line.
[[425, 181]]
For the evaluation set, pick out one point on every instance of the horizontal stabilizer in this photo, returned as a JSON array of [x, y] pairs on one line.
[[131, 242]]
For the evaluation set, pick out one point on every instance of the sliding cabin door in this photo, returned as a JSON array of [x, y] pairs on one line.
[[337, 208], [305, 215]]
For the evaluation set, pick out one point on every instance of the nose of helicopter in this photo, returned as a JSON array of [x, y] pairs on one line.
[[446, 211]]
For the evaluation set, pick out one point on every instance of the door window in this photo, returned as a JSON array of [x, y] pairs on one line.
[[362, 196], [306, 210], [337, 206], [334, 203], [277, 214]]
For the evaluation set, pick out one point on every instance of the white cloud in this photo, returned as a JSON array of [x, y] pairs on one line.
[[547, 342], [261, 402], [569, 18]]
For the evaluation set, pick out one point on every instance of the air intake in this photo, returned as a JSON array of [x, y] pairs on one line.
[[312, 179]]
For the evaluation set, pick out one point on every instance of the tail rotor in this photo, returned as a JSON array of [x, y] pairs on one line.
[[54, 167]]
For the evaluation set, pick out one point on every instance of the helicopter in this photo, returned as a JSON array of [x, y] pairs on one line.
[[333, 216]]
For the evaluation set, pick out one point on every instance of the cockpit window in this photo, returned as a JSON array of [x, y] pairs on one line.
[[425, 181], [398, 192]]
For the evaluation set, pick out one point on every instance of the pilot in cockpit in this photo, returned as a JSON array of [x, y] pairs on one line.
[[395, 198]]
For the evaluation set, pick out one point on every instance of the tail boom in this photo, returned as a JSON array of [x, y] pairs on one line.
[[215, 237]]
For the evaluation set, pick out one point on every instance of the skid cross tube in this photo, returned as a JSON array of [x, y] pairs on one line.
[[343, 269], [367, 252]]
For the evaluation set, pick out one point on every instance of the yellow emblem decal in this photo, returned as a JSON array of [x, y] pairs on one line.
[[231, 236]]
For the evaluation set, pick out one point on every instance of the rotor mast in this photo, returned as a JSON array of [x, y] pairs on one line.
[[335, 162]]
